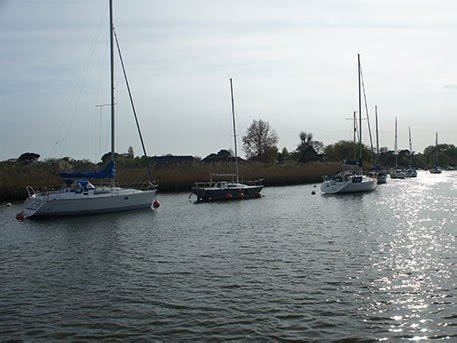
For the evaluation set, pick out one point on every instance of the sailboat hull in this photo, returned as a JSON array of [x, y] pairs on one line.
[[332, 187], [220, 194], [124, 200]]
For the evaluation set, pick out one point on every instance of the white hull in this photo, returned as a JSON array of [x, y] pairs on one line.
[[70, 204], [332, 186], [397, 174]]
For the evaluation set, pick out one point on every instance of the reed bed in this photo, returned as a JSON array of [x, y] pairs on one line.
[[15, 177]]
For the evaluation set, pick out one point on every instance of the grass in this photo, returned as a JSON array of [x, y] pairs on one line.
[[15, 177]]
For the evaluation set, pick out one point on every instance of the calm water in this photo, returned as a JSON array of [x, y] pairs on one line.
[[289, 266]]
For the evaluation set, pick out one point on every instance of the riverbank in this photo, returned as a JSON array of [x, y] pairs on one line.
[[15, 177]]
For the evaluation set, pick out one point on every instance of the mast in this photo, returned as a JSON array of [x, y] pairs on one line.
[[410, 148], [113, 181], [360, 113], [396, 155], [436, 150], [355, 135], [234, 132], [377, 134]]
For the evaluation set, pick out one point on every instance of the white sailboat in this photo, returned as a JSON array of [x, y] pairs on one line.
[[436, 169], [411, 171], [397, 173], [349, 181], [79, 196], [377, 172]]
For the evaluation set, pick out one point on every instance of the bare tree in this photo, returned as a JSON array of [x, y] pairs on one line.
[[260, 139]]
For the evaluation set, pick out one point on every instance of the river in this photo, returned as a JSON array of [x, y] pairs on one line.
[[291, 265]]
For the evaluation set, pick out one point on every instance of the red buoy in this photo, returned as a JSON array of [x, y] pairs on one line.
[[228, 196], [156, 204], [20, 216]]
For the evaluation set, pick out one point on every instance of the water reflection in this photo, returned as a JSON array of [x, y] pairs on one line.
[[288, 266]]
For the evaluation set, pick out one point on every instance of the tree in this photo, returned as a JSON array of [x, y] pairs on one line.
[[130, 152], [307, 149], [344, 150], [283, 155], [28, 157], [260, 139], [306, 140]]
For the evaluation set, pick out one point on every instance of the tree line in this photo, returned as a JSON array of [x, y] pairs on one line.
[[260, 144]]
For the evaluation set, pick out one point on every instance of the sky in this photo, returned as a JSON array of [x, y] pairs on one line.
[[293, 64]]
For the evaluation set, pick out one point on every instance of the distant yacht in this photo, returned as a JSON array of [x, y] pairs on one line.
[[397, 173], [379, 174], [348, 181], [410, 171], [436, 169], [227, 186], [79, 196]]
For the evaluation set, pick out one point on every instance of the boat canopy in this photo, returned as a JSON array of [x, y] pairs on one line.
[[108, 173]]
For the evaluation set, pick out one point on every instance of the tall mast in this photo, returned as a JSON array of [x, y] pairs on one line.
[[355, 135], [234, 132], [396, 155], [377, 134], [360, 113], [410, 148], [113, 181], [436, 150]]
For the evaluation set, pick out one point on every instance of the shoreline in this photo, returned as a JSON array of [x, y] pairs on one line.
[[170, 180]]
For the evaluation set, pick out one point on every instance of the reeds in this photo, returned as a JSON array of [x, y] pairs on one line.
[[15, 177]]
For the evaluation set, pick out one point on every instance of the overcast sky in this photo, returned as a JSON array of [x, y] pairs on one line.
[[294, 64]]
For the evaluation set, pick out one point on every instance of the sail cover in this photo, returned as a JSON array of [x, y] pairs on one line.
[[108, 173]]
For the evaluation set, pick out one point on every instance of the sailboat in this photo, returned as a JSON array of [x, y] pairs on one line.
[[411, 171], [79, 196], [397, 173], [436, 169], [377, 172], [349, 181], [227, 186]]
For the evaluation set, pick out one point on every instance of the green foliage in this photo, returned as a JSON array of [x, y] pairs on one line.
[[344, 150]]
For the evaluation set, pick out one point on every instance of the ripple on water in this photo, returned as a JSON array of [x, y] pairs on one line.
[[287, 266]]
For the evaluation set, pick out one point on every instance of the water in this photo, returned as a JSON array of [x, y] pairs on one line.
[[289, 266]]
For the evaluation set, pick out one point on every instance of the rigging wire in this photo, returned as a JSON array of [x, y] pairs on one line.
[[366, 110], [79, 85], [133, 106]]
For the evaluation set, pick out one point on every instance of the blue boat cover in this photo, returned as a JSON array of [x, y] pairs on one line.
[[108, 173]]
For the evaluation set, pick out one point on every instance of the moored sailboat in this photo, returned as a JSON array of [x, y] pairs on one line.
[[410, 171], [397, 173], [436, 169], [79, 196], [377, 172], [228, 186], [349, 181]]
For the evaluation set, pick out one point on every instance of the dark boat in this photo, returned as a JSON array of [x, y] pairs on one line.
[[218, 189], [228, 186]]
